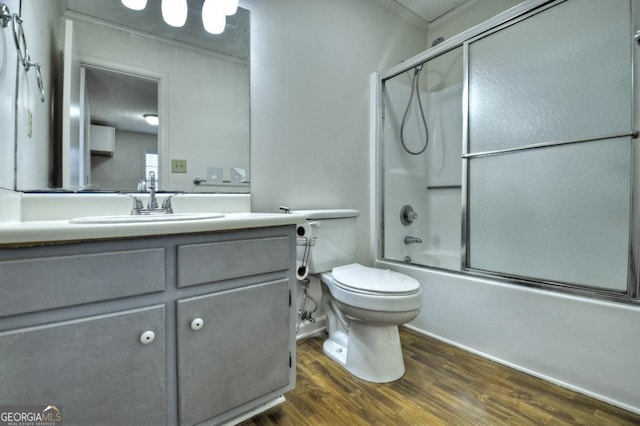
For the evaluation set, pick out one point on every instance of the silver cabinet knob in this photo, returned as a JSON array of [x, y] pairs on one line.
[[197, 324], [147, 337]]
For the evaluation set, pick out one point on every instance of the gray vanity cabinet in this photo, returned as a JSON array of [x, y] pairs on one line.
[[161, 330], [97, 369], [231, 348]]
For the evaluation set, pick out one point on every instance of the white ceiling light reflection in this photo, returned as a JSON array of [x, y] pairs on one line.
[[174, 12], [135, 4], [229, 7], [213, 17]]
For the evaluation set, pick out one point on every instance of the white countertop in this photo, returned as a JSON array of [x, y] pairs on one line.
[[49, 231]]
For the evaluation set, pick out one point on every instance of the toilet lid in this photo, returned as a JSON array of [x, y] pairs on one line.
[[363, 278]]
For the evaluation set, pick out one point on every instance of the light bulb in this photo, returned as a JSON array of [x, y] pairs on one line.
[[229, 7], [135, 4], [174, 12], [213, 18]]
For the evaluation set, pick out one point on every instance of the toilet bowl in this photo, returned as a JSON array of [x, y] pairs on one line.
[[364, 306]]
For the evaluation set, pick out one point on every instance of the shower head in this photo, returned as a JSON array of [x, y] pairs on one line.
[[437, 41]]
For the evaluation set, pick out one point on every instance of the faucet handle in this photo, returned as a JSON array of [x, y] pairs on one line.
[[137, 204], [166, 204]]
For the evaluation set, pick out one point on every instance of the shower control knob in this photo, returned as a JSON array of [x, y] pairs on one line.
[[197, 324], [407, 215]]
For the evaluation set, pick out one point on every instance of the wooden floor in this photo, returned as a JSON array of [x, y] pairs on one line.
[[442, 385]]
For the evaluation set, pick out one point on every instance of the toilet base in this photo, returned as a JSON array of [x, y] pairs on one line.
[[335, 351], [371, 353]]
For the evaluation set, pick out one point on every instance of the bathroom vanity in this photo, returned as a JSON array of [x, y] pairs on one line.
[[194, 324]]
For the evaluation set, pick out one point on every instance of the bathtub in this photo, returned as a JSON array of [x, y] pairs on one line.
[[437, 259], [587, 345]]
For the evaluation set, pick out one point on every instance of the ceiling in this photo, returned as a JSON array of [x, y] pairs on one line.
[[426, 10], [119, 100]]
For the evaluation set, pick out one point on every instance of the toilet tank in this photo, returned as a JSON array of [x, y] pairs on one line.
[[333, 234]]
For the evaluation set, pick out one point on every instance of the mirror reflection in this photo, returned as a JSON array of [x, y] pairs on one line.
[[195, 82], [123, 137]]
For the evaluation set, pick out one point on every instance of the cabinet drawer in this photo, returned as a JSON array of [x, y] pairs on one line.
[[210, 262], [35, 284]]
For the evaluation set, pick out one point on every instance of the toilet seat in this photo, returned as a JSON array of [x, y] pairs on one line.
[[365, 280]]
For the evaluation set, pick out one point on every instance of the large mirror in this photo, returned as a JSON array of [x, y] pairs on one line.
[[118, 66]]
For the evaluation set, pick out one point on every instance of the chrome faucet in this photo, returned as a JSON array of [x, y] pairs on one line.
[[412, 240], [153, 203]]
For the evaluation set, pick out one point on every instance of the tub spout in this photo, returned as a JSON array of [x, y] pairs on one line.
[[412, 240]]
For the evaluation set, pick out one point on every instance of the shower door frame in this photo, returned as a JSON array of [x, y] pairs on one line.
[[497, 23]]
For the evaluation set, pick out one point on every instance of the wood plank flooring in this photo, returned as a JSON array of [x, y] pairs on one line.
[[443, 385]]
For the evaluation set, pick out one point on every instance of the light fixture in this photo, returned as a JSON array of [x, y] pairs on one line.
[[213, 17], [135, 4], [174, 12], [151, 119]]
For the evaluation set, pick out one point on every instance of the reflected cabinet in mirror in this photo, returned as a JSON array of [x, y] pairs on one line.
[[109, 69]]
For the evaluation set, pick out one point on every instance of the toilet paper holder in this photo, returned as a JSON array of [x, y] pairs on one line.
[[307, 243]]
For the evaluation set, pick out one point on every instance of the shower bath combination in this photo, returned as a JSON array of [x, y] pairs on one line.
[[480, 179], [532, 203]]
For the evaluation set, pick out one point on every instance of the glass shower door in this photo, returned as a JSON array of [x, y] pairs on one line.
[[548, 158]]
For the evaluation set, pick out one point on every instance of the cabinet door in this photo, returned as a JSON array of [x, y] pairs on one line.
[[96, 368], [241, 351]]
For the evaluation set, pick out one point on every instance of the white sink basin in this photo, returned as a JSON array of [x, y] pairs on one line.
[[127, 218]]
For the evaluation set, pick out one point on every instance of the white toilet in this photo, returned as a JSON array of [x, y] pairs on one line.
[[364, 305]]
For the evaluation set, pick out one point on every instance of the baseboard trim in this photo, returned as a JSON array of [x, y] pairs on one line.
[[308, 329]]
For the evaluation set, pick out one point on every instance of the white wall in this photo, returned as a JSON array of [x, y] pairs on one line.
[[30, 154], [8, 60], [126, 168], [310, 67], [35, 151]]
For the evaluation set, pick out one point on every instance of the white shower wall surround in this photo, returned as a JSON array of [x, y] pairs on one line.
[[408, 177]]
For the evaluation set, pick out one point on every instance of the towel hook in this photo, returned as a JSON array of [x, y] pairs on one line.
[[21, 44]]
